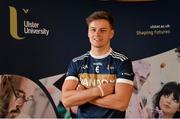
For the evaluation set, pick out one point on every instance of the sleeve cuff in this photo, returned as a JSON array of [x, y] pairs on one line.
[[72, 78], [122, 80]]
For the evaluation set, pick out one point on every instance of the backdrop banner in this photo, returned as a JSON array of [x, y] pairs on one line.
[[39, 38]]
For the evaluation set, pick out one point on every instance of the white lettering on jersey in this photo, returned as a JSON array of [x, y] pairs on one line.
[[97, 69], [85, 82], [84, 67], [98, 63], [95, 82], [108, 67]]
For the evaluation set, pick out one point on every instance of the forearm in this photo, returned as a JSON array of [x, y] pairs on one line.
[[119, 100], [110, 102], [73, 95], [79, 97]]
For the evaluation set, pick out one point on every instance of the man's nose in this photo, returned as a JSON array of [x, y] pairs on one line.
[[97, 33]]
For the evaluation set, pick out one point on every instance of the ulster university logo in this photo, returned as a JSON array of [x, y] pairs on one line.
[[13, 24], [29, 27]]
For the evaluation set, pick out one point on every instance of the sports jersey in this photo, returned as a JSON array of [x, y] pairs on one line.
[[92, 71]]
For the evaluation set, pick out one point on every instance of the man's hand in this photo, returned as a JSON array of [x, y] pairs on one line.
[[108, 88], [80, 87]]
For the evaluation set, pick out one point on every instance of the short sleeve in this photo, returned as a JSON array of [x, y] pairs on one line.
[[125, 72], [72, 71]]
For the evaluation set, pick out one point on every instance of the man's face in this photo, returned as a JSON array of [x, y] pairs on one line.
[[100, 33]]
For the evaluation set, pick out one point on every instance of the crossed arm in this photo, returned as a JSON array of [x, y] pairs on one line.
[[115, 96]]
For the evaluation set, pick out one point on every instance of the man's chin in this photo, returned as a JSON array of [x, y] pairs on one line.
[[97, 46]]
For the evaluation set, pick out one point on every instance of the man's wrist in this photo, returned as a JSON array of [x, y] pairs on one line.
[[101, 90]]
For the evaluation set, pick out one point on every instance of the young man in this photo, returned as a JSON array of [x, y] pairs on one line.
[[100, 81]]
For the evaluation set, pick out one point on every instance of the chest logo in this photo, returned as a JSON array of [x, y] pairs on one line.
[[97, 69]]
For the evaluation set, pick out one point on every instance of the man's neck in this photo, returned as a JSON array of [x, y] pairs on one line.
[[99, 51]]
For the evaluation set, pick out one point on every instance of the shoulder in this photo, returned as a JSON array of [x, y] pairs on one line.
[[119, 56], [81, 57]]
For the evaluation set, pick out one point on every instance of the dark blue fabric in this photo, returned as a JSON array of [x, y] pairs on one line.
[[92, 111], [92, 72]]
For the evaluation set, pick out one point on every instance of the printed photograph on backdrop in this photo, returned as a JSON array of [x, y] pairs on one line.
[[156, 87], [22, 98]]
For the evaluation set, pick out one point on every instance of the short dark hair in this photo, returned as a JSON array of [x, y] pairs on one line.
[[101, 15], [167, 89]]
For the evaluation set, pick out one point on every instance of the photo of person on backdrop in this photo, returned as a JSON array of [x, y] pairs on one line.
[[166, 103], [22, 98], [11, 100], [138, 101], [177, 51], [100, 82]]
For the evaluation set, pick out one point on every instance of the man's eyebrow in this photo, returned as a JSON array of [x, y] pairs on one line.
[[95, 27], [104, 28], [92, 27]]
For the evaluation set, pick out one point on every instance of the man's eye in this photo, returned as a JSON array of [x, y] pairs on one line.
[[103, 30], [93, 30]]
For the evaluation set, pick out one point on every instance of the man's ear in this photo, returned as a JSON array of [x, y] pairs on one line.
[[112, 33]]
